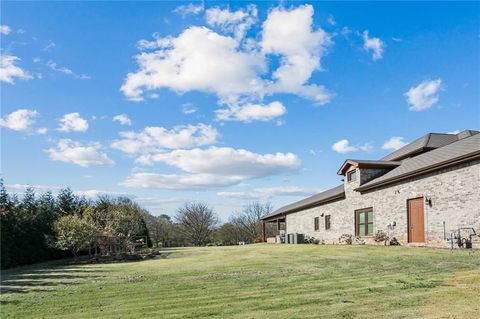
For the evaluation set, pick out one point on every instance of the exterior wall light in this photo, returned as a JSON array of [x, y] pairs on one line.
[[428, 201]]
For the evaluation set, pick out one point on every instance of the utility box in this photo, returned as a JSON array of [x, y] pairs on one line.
[[298, 238]]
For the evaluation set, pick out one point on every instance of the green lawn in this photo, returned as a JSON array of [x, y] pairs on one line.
[[256, 281]]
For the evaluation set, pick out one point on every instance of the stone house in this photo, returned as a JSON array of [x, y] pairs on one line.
[[419, 194]]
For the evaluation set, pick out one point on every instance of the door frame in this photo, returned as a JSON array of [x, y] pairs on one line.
[[409, 237]]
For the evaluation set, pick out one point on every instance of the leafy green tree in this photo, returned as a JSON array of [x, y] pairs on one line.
[[73, 233]]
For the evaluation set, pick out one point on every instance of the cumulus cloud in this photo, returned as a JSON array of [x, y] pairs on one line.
[[213, 167], [179, 182], [343, 147], [52, 65], [5, 29], [19, 120], [190, 8], [233, 67], [251, 112], [123, 119], [73, 122], [289, 34], [424, 95], [236, 22], [153, 138], [394, 143], [9, 70], [197, 60], [69, 151], [270, 192], [375, 45]]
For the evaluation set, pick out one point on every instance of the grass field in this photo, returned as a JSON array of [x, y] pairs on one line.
[[256, 281]]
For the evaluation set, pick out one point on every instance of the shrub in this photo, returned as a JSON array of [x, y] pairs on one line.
[[316, 241], [346, 239], [381, 236], [394, 242]]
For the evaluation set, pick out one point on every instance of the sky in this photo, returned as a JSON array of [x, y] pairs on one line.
[[226, 103]]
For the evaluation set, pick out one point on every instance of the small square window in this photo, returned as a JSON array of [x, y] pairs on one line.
[[352, 176]]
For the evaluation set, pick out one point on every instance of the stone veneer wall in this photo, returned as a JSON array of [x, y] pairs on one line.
[[454, 193]]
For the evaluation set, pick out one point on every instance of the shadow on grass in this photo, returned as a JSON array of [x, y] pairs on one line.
[[33, 278]]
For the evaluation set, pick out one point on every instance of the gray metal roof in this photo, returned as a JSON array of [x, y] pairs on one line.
[[441, 148], [426, 142], [367, 163], [317, 199], [452, 151]]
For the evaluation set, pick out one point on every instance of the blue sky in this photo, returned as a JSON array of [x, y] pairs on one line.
[[169, 102]]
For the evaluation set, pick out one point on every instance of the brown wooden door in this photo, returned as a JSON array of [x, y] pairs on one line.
[[416, 226]]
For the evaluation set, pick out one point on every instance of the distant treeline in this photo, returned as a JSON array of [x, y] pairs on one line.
[[44, 227]]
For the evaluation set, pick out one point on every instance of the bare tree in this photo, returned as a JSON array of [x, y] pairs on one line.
[[197, 222], [249, 220]]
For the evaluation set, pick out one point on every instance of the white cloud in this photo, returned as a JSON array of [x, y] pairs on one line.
[[228, 161], [153, 138], [331, 20], [343, 147], [197, 60], [235, 68], [42, 130], [69, 151], [177, 182], [424, 95], [9, 70], [454, 132], [52, 65], [251, 112], [19, 120], [394, 143], [270, 192], [123, 119], [190, 8], [49, 45], [189, 108], [237, 22], [289, 33], [213, 167], [90, 193], [5, 29], [73, 122], [373, 44]]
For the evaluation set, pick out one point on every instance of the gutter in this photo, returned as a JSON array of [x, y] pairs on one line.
[[424, 170], [311, 205]]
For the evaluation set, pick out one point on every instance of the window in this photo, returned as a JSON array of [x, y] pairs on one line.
[[352, 176], [316, 223], [364, 222], [327, 222]]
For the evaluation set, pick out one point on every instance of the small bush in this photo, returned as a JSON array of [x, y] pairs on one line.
[[394, 242], [346, 239], [381, 236], [316, 241]]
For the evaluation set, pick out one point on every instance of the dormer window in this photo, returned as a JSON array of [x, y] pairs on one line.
[[352, 176]]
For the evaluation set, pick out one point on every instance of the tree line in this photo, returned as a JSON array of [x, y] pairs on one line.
[[44, 227]]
